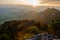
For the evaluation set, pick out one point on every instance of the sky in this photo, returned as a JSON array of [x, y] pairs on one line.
[[31, 2]]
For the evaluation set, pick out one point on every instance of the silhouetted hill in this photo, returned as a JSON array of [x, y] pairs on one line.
[[25, 29], [49, 14]]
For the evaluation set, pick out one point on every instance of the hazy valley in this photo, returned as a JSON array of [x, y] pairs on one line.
[[25, 12]]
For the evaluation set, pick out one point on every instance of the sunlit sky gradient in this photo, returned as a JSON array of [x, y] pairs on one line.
[[31, 2]]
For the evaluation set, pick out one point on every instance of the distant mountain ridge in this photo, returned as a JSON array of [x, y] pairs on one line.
[[49, 14], [45, 16]]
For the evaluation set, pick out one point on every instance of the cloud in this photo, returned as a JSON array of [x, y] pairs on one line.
[[51, 2]]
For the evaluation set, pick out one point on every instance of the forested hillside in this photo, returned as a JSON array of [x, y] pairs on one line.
[[23, 29]]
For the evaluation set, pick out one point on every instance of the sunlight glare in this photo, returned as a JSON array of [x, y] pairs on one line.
[[34, 3]]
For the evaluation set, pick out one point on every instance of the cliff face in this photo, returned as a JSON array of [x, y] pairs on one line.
[[44, 36]]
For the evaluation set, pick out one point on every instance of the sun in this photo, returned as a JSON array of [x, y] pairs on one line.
[[34, 3]]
